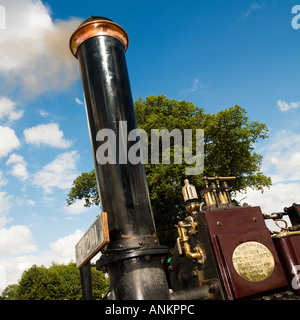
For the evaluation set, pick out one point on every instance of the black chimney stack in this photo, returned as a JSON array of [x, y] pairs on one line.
[[134, 258]]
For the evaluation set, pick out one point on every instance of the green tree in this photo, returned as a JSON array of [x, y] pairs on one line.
[[10, 292], [85, 187], [229, 148], [57, 282], [229, 139], [39, 283]]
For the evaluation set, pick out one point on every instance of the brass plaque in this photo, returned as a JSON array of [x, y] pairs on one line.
[[253, 261]]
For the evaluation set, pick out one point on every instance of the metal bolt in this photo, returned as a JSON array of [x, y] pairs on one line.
[[254, 219], [147, 257], [219, 223]]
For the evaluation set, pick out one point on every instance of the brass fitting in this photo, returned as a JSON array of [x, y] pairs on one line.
[[97, 26], [190, 196], [184, 229]]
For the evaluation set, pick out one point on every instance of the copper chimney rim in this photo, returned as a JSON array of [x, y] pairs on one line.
[[97, 26]]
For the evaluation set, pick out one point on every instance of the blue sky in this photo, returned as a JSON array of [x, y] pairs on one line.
[[213, 53]]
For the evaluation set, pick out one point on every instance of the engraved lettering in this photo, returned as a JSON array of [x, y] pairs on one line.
[[253, 261]]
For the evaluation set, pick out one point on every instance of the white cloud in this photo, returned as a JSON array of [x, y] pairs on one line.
[[8, 110], [43, 113], [61, 251], [3, 181], [284, 106], [76, 208], [34, 54], [281, 157], [60, 173], [8, 141], [15, 240], [254, 6], [30, 202], [78, 101], [64, 248], [12, 268], [18, 166], [193, 85], [14, 158], [47, 134], [4, 208], [26, 261], [274, 200], [282, 163]]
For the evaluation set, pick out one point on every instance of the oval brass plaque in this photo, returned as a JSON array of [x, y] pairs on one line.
[[253, 261]]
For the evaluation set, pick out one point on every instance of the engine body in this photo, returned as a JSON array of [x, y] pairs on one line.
[[230, 250]]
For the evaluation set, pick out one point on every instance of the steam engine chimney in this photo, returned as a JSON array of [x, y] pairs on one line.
[[133, 258]]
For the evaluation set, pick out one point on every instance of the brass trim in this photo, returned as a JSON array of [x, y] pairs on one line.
[[94, 28], [218, 178], [286, 234]]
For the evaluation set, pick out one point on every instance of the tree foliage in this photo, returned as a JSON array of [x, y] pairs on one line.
[[229, 148], [58, 282], [229, 139], [85, 187]]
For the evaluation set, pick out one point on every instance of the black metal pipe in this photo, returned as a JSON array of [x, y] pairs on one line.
[[99, 45], [86, 282]]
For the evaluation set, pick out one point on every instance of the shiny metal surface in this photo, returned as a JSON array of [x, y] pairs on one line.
[[97, 26], [289, 253], [253, 261], [123, 188], [189, 191]]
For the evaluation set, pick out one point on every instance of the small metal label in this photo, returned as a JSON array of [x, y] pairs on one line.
[[93, 241], [253, 261]]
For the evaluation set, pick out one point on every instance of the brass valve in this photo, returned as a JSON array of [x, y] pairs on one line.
[[216, 194], [186, 228], [190, 196]]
